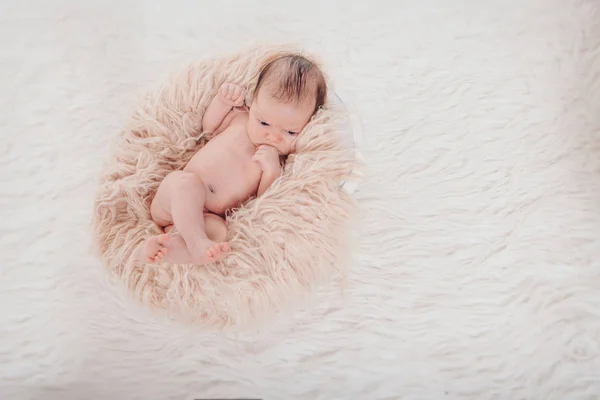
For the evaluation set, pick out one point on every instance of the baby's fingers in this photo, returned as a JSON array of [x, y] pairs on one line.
[[240, 96], [240, 101], [224, 89], [237, 91], [229, 90]]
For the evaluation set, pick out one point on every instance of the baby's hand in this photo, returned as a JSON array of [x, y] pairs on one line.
[[233, 95], [268, 159]]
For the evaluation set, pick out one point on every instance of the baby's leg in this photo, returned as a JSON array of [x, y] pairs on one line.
[[180, 198], [216, 230], [178, 253], [215, 226]]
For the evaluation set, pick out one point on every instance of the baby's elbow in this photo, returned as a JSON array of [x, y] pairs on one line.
[[207, 126]]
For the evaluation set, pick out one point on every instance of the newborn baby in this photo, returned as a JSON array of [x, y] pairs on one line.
[[241, 161]]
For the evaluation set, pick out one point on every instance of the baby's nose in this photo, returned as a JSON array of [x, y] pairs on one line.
[[274, 137]]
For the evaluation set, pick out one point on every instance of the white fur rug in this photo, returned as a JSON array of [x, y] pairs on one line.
[[478, 272]]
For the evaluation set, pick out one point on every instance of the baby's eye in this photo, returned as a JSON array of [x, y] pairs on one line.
[[292, 133], [264, 123]]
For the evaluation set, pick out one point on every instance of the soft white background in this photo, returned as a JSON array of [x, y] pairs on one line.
[[478, 270]]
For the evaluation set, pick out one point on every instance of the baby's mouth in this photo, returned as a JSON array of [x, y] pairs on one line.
[[270, 145]]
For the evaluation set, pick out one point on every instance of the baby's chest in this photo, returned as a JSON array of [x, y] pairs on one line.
[[239, 166], [236, 180], [231, 169]]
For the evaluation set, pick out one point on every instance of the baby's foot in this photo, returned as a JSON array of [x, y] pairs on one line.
[[206, 251], [218, 251], [155, 248]]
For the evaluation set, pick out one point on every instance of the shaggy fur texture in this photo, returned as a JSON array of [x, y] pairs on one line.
[[287, 241], [476, 269]]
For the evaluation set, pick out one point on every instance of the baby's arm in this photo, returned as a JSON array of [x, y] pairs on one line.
[[268, 159], [229, 96], [266, 181]]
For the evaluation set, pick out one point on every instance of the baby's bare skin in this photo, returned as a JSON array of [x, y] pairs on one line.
[[241, 161]]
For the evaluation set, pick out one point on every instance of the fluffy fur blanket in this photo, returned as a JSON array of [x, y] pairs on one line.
[[283, 243]]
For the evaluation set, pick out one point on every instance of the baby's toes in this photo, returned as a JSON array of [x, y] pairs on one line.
[[211, 252]]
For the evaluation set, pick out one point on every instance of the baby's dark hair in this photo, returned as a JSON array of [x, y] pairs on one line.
[[297, 79]]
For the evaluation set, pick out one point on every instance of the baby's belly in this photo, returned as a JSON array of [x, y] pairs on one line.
[[229, 179]]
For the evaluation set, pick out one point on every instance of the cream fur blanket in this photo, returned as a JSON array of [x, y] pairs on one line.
[[287, 241], [477, 271]]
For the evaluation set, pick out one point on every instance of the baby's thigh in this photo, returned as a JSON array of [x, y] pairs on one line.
[[215, 227], [177, 183]]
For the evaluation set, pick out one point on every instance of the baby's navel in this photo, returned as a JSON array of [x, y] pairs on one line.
[[212, 190]]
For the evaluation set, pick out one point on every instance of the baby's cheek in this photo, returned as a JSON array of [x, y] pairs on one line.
[[287, 146], [250, 129]]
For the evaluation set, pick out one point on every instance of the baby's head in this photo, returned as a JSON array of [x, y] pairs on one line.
[[289, 90]]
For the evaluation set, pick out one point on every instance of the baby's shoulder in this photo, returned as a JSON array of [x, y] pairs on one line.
[[239, 114], [240, 110]]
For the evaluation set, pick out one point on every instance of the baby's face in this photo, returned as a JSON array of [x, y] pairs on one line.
[[275, 123]]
